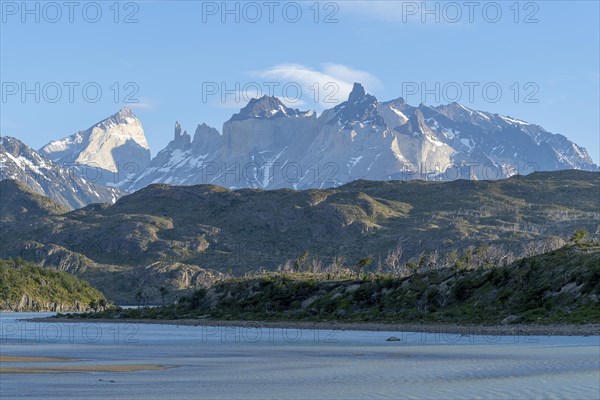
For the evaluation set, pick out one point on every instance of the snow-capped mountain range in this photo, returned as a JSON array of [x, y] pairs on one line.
[[22, 163], [268, 145]]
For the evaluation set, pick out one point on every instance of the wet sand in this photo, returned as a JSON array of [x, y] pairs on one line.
[[61, 369], [5, 359], [498, 330]]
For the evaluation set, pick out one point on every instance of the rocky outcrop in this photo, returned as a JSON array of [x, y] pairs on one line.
[[29, 304], [181, 140], [177, 276], [120, 283]]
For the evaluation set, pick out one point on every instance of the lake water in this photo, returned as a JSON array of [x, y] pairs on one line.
[[250, 363]]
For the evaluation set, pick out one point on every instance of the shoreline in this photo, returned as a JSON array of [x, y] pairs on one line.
[[442, 328]]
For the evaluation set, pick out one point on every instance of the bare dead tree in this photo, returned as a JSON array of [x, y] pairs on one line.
[[393, 260], [334, 269], [286, 267], [432, 260], [316, 265]]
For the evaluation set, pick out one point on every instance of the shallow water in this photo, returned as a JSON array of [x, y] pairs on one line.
[[226, 363]]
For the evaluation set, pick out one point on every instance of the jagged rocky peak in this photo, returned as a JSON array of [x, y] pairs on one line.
[[364, 138], [181, 140], [205, 130], [427, 111], [395, 112], [455, 111], [206, 139], [109, 146], [357, 94], [15, 151], [418, 115], [360, 107], [397, 105], [399, 101], [10, 143], [124, 116], [267, 107]]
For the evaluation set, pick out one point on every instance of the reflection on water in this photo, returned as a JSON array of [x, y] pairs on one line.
[[292, 363]]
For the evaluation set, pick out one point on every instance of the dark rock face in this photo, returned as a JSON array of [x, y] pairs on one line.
[[207, 140], [28, 304], [357, 93], [181, 140]]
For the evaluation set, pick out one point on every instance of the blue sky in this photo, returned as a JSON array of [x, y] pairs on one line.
[[544, 59]]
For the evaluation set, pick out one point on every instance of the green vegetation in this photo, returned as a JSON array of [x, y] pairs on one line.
[[562, 286], [579, 236], [26, 287]]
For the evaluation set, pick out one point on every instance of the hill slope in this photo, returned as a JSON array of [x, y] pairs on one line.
[[213, 228], [26, 287], [18, 201]]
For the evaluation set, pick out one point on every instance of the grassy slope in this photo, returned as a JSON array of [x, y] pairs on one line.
[[45, 288], [561, 286]]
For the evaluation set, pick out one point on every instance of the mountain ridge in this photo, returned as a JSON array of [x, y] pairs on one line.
[[209, 230], [268, 145], [22, 163]]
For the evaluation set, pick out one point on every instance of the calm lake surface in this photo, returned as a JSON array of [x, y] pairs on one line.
[[252, 363]]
